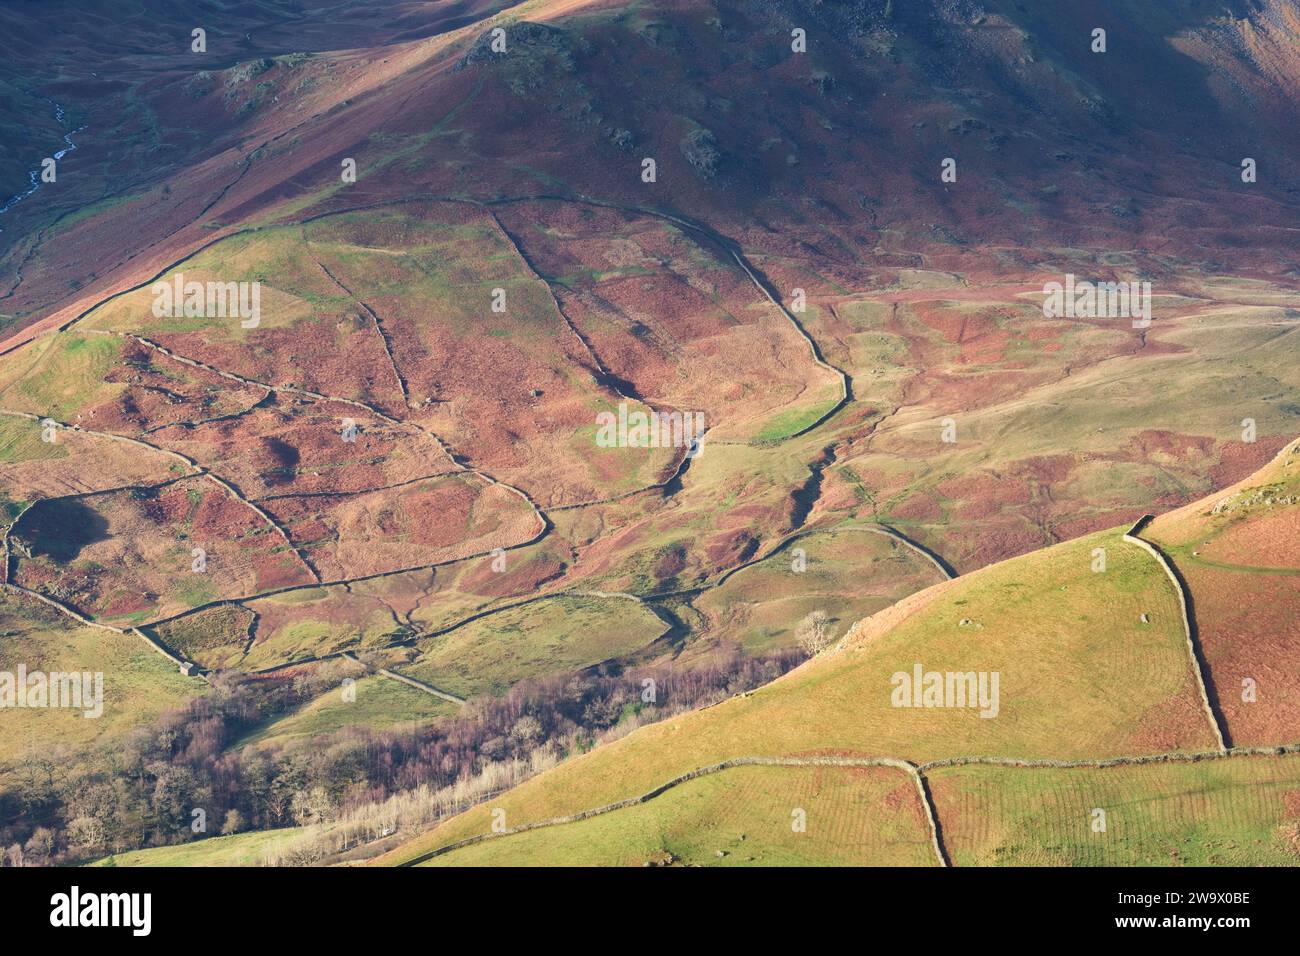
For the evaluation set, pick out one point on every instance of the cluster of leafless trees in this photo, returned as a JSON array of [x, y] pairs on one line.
[[189, 774]]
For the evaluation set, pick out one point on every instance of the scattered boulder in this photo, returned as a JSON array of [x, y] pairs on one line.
[[701, 151], [621, 138]]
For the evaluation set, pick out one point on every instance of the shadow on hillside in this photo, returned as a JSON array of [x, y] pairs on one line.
[[60, 529]]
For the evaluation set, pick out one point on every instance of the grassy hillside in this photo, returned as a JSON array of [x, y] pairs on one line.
[[745, 816], [1239, 812], [240, 849], [138, 684], [1093, 661], [379, 703], [1237, 552], [1082, 675], [399, 459], [568, 633]]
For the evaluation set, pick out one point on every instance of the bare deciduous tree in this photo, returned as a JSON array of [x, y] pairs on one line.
[[813, 633], [41, 845]]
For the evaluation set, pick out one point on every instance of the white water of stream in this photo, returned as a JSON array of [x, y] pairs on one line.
[[35, 174]]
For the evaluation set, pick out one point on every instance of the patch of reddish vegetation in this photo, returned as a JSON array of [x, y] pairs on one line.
[[747, 516], [421, 524], [979, 337], [1045, 469], [984, 495], [430, 514], [1238, 460], [141, 558], [123, 602], [272, 571], [667, 311], [998, 539], [731, 547], [296, 446], [349, 613], [1178, 723], [1291, 804], [217, 517], [524, 578], [153, 398], [1152, 443], [338, 355], [903, 798], [670, 564], [1046, 337], [874, 478], [1266, 539], [1156, 348], [1247, 625], [918, 506], [837, 494], [1163, 499], [1080, 525], [959, 392]]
